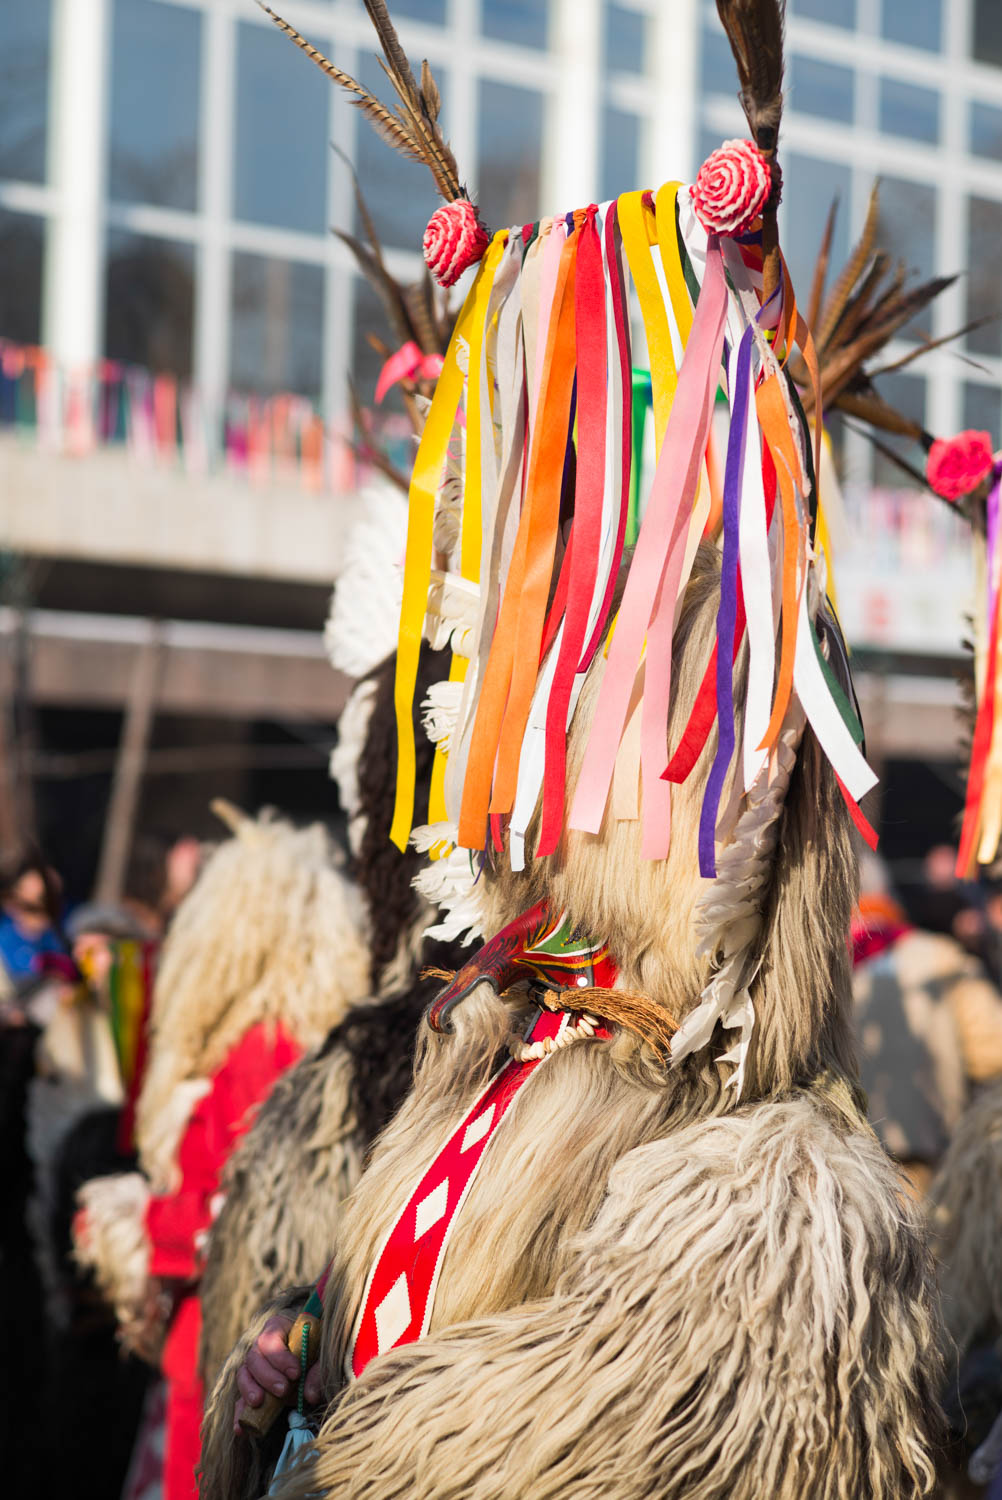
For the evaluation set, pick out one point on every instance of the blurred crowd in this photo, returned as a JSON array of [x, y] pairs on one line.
[[78, 1022], [75, 983]]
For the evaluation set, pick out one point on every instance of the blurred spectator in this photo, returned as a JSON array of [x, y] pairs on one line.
[[30, 897], [928, 1026], [77, 1066], [161, 873]]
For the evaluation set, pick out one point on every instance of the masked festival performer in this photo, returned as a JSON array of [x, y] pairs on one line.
[[928, 1024], [965, 1211], [265, 953], [630, 1234]]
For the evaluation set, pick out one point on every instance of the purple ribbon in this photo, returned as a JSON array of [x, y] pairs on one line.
[[727, 611], [993, 539]]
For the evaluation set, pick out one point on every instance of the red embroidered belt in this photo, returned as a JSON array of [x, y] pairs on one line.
[[400, 1292]]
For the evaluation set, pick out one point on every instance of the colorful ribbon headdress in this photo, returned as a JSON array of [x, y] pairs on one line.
[[536, 390], [537, 383]]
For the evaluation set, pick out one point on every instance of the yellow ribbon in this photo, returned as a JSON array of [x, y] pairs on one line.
[[671, 257], [425, 480], [637, 226]]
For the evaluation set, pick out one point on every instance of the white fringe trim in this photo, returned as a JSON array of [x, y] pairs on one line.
[[449, 883], [440, 712]]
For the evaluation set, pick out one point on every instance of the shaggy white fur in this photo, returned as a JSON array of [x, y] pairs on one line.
[[965, 1210], [270, 932], [111, 1241]]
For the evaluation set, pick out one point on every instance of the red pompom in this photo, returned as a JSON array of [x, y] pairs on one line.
[[454, 240], [957, 465], [731, 188]]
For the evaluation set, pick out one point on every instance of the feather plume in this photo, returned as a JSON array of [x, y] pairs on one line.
[[389, 291], [869, 304], [821, 266], [858, 260], [413, 130], [368, 224], [755, 31]]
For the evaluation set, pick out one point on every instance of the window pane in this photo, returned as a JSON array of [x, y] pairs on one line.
[[906, 109], [986, 131], [982, 405], [984, 289], [620, 167], [811, 185], [842, 14], [625, 40], [276, 339], [524, 22], [906, 229], [717, 73], [155, 64], [400, 194], [24, 83], [432, 11], [820, 88], [907, 394], [987, 32], [149, 303], [916, 23], [510, 131], [21, 283], [282, 134]]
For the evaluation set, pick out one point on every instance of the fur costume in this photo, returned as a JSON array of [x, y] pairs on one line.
[[965, 1205], [659, 1252], [929, 1028], [965, 1213], [285, 1183], [265, 953], [654, 1288]]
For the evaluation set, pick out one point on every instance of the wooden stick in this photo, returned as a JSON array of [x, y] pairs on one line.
[[127, 781], [257, 1421]]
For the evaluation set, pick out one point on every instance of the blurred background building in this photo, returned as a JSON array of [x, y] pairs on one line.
[[167, 196]]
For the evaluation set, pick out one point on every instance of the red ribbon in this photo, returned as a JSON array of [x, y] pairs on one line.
[[586, 534]]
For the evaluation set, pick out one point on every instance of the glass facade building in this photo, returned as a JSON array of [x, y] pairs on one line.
[[168, 197], [908, 92], [215, 190]]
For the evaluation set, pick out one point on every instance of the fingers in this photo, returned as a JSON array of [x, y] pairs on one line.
[[238, 1412], [273, 1347], [266, 1373], [249, 1389], [313, 1388], [270, 1366]]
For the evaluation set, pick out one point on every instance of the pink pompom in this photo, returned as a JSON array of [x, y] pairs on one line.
[[731, 188], [957, 465], [454, 240]]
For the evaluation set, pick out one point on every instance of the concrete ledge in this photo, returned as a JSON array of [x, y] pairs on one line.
[[237, 671], [110, 507]]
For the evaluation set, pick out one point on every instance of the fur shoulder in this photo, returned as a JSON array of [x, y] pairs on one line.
[[787, 1160], [749, 1314]]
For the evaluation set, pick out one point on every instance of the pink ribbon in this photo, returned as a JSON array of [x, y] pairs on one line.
[[648, 606], [408, 364]]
